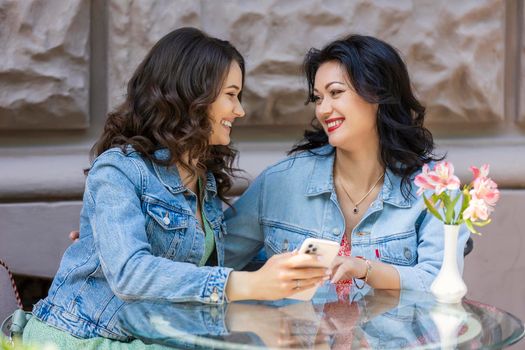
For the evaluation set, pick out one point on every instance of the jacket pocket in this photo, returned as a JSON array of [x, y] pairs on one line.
[[165, 226], [166, 216], [398, 249], [281, 239]]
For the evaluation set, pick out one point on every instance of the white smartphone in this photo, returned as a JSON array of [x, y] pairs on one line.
[[326, 250]]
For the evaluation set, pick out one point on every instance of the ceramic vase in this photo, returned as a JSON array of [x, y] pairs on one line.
[[448, 287]]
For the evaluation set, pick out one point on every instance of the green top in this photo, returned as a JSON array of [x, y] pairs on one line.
[[209, 240], [39, 333]]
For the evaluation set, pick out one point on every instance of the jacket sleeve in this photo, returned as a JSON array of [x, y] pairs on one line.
[[245, 235], [113, 190], [430, 255]]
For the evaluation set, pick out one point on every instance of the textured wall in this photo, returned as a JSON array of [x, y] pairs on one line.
[[44, 68], [454, 49], [455, 52], [133, 29]]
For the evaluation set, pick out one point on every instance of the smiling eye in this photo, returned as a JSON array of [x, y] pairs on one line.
[[316, 99], [232, 94], [335, 92]]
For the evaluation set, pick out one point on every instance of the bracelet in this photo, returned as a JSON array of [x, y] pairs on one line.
[[367, 273]]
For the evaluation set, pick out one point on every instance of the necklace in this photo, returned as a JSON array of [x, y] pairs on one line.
[[356, 204]]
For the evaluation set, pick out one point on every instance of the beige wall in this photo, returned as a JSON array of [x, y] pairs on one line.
[[63, 64]]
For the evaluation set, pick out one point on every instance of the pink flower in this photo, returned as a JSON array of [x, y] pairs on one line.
[[477, 210], [440, 179], [480, 173], [485, 189], [423, 181]]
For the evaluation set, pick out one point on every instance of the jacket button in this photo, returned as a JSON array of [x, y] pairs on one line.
[[285, 246], [166, 220], [336, 231], [408, 253], [214, 296]]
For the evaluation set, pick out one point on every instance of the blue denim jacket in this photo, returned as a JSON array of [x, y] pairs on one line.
[[295, 199], [139, 240]]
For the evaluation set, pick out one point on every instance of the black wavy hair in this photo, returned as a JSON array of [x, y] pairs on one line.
[[379, 76], [167, 104]]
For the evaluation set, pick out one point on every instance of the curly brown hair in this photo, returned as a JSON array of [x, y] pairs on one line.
[[167, 104]]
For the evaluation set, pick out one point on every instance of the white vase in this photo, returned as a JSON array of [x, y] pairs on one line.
[[448, 287]]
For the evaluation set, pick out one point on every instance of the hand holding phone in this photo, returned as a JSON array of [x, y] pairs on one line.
[[326, 251]]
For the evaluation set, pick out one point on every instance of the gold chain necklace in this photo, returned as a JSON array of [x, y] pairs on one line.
[[356, 204]]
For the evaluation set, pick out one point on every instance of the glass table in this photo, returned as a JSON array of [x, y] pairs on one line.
[[365, 319]]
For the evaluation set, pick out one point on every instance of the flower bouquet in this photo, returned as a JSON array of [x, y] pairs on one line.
[[478, 197], [471, 206]]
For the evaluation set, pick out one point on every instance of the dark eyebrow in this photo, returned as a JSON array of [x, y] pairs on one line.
[[233, 86], [330, 83]]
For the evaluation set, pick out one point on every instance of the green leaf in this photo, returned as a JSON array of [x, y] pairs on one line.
[[466, 201], [431, 208], [481, 223], [445, 198], [449, 208], [453, 205], [471, 228]]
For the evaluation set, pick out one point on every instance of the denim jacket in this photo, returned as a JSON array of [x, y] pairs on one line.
[[295, 199], [139, 240]]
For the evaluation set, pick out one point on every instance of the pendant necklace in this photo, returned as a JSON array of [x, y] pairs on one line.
[[356, 204]]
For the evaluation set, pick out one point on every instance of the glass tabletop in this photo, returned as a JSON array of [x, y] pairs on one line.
[[364, 319]]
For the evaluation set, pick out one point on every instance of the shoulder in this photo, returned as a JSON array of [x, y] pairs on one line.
[[117, 156], [117, 162], [300, 161]]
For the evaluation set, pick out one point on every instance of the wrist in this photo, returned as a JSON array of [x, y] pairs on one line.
[[239, 286], [365, 269]]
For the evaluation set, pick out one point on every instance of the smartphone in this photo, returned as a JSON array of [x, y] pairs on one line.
[[326, 250]]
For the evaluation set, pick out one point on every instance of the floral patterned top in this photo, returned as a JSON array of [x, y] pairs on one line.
[[343, 287]]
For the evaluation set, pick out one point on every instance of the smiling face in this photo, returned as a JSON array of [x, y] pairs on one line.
[[348, 120], [226, 107]]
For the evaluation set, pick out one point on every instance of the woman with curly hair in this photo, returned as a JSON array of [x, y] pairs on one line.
[[350, 179], [151, 226]]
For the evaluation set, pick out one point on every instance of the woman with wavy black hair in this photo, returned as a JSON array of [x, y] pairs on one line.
[[151, 226], [349, 180]]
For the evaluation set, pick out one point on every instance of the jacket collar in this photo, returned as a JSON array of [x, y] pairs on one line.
[[170, 178], [321, 180]]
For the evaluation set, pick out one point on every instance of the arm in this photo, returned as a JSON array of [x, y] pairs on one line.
[[245, 235], [380, 276], [134, 273], [430, 255], [118, 222], [418, 277]]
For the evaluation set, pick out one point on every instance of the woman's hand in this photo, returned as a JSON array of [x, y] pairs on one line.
[[347, 267], [380, 276], [281, 276]]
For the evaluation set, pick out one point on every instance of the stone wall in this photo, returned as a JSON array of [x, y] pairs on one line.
[[44, 71], [455, 50], [64, 64]]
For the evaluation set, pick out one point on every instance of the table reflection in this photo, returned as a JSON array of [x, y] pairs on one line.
[[366, 319]]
